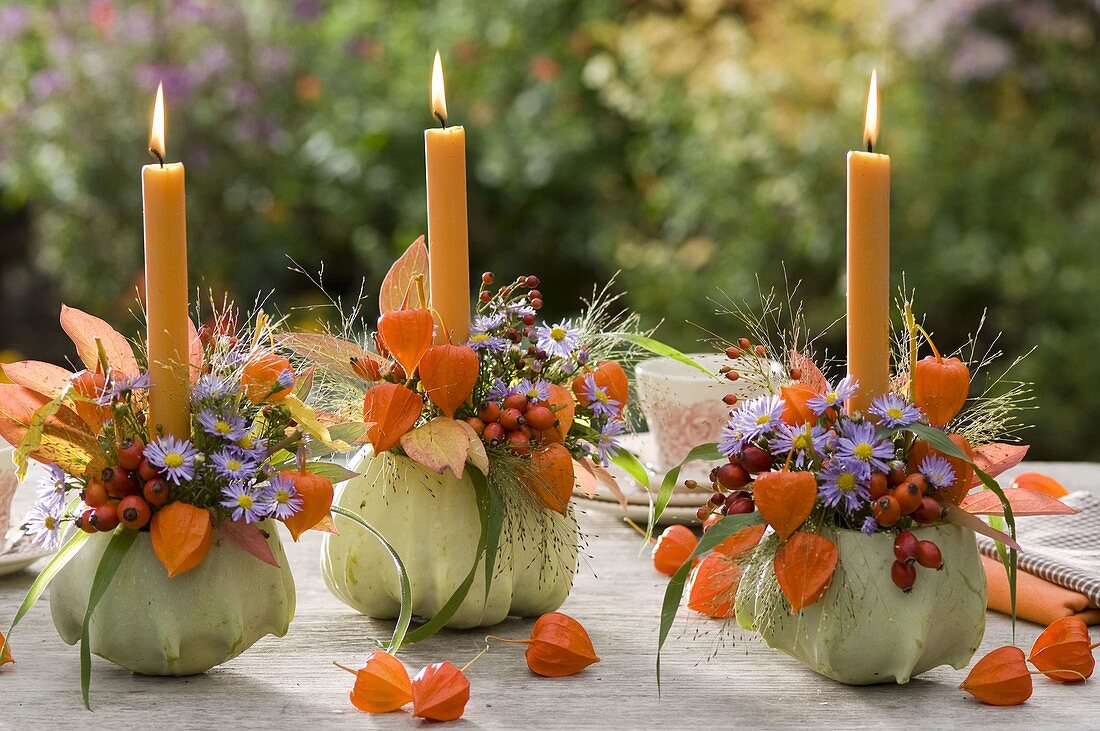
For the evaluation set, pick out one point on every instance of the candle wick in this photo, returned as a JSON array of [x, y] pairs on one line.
[[870, 145], [442, 120], [156, 154]]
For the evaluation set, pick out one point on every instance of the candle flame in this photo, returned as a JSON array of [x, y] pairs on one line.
[[870, 126], [439, 96], [156, 132]]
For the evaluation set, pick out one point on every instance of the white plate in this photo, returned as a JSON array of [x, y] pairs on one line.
[[19, 556]]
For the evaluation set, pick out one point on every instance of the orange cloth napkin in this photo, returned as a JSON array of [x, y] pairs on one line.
[[1037, 600]]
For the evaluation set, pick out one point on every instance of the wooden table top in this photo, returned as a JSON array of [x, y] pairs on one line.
[[714, 674]]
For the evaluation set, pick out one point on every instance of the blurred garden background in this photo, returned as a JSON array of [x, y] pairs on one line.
[[690, 144]]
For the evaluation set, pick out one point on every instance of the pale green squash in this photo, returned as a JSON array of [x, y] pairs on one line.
[[154, 625], [865, 630], [432, 521]]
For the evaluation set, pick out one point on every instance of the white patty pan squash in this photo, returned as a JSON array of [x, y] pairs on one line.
[[154, 625], [865, 629], [432, 521]]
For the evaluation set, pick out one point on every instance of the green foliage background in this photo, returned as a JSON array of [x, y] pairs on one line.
[[695, 145]]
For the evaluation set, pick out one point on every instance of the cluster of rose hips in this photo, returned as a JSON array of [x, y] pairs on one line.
[[909, 551], [728, 482], [517, 422], [126, 493], [896, 494]]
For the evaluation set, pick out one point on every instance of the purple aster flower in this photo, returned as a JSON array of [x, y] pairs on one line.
[[244, 502], [43, 523], [758, 417], [519, 309], [608, 445], [500, 391], [844, 480], [894, 411], [834, 397], [487, 341], [536, 390], [285, 379], [175, 458], [281, 498], [870, 525], [805, 440], [487, 323], [732, 441], [121, 384], [230, 427], [51, 488], [210, 386], [556, 339], [857, 441], [938, 471], [251, 448], [599, 403], [232, 465]]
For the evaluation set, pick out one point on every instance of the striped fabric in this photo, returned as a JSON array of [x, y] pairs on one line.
[[1063, 549]]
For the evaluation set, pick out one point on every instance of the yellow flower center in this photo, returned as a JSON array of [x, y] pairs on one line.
[[246, 441], [245, 501], [50, 522], [479, 337], [894, 412], [763, 419], [233, 465], [173, 460], [832, 397], [864, 451], [558, 333], [282, 497], [222, 427], [802, 441], [846, 482], [602, 396]]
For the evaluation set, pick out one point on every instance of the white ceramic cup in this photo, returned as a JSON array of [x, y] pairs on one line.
[[683, 405], [8, 483]]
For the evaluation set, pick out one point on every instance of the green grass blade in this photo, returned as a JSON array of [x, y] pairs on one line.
[[658, 348], [708, 452], [674, 592], [404, 617], [51, 569], [104, 573]]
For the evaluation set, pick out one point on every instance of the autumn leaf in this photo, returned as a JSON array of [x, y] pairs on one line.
[[44, 378], [441, 444], [477, 456], [1023, 502], [412, 263], [248, 538], [63, 437], [804, 566], [330, 352], [785, 499], [995, 458], [1040, 483], [83, 329], [588, 476], [811, 374]]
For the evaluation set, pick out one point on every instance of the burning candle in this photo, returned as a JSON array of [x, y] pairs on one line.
[[448, 238], [164, 212], [869, 262]]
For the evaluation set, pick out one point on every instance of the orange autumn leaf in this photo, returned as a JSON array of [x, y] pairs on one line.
[[182, 535], [44, 378], [1039, 482], [84, 329], [449, 374], [563, 405], [410, 265], [261, 377], [674, 546], [552, 476], [610, 377], [316, 493], [382, 685], [714, 586], [407, 334], [440, 692], [5, 657], [1064, 646], [811, 375], [66, 438], [390, 410], [804, 566], [964, 471], [742, 541], [797, 412], [1001, 678], [559, 647], [785, 499]]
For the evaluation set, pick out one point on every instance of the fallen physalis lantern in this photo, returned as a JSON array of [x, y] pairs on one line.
[[825, 524]]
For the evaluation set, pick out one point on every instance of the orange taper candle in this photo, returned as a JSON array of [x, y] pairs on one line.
[[448, 237], [869, 263], [164, 211]]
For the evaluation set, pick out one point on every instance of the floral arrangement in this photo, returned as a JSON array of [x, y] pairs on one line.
[[800, 467], [242, 463]]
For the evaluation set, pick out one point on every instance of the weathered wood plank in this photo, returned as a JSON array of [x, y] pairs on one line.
[[290, 682]]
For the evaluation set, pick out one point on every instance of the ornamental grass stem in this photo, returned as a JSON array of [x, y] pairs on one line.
[[476, 658]]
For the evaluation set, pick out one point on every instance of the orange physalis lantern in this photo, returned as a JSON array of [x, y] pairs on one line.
[[407, 334], [316, 493], [552, 476], [1040, 483], [609, 376], [1001, 678], [940, 387], [440, 692], [785, 499], [964, 470], [796, 398], [562, 404], [5, 657], [263, 376], [673, 548], [389, 410], [382, 685], [1064, 651], [559, 646], [182, 535], [804, 567], [449, 374], [714, 586]]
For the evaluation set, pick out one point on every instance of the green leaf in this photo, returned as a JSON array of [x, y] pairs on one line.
[[708, 452], [104, 573], [658, 348], [404, 617], [337, 473], [496, 523], [55, 564], [674, 592], [436, 623], [630, 464]]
